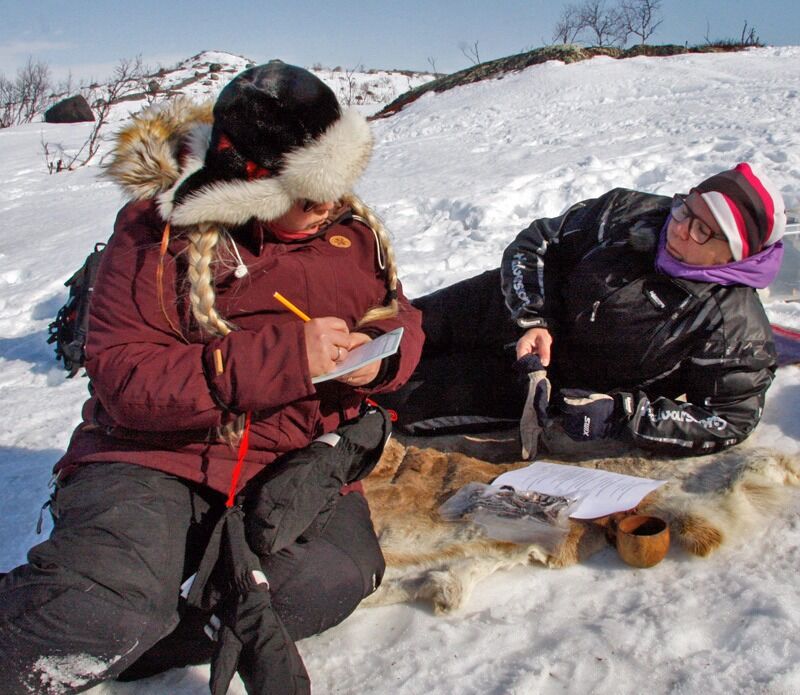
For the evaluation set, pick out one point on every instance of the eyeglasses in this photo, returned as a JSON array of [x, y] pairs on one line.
[[307, 205], [698, 230]]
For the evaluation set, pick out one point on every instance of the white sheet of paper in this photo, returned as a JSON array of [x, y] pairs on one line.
[[601, 492], [382, 346]]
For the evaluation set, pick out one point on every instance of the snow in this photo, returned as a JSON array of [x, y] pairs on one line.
[[368, 90], [456, 176], [61, 674]]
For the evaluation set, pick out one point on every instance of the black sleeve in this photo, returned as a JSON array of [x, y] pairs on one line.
[[548, 249], [535, 261], [724, 402]]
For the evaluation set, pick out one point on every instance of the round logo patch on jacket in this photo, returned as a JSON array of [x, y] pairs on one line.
[[339, 241]]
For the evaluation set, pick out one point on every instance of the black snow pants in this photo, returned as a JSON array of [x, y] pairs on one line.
[[100, 597], [465, 380]]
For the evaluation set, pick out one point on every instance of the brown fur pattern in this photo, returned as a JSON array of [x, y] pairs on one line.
[[145, 158], [707, 500], [165, 144]]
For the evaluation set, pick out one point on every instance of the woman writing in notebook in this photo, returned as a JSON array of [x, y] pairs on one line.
[[201, 379]]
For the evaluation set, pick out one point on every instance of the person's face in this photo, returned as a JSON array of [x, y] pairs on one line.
[[305, 216], [693, 235]]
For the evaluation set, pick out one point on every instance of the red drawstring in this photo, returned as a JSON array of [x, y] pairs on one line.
[[244, 444], [393, 416]]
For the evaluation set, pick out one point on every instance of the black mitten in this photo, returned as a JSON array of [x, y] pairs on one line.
[[253, 641], [300, 488], [251, 638], [587, 415], [362, 442]]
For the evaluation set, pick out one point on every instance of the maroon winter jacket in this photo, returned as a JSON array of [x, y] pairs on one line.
[[157, 400]]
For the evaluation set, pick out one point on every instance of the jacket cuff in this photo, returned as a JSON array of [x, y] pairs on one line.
[[257, 370]]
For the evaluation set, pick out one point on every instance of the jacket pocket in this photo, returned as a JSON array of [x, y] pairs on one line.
[[285, 429]]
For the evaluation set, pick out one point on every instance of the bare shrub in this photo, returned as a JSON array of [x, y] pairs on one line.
[[27, 96], [129, 78], [747, 39], [569, 25], [641, 18], [350, 93], [8, 110], [750, 38], [604, 23], [470, 51]]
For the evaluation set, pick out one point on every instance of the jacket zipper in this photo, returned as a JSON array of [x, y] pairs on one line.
[[688, 304], [595, 307]]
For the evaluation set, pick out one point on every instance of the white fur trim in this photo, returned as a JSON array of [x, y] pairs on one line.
[[233, 203], [323, 170], [327, 168]]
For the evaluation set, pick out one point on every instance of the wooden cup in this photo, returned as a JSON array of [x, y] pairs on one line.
[[642, 541]]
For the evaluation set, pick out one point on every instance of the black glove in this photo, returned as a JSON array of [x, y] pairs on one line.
[[534, 413], [253, 642], [587, 415], [251, 638], [362, 442], [296, 494]]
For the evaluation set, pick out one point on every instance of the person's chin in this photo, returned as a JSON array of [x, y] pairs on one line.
[[312, 228]]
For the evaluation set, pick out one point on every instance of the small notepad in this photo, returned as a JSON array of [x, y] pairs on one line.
[[382, 346]]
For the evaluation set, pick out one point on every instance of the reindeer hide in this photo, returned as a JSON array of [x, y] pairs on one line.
[[708, 501]]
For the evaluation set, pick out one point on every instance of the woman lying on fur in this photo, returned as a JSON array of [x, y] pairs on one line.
[[642, 308]]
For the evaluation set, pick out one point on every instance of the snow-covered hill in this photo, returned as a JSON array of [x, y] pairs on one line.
[[203, 75], [456, 176]]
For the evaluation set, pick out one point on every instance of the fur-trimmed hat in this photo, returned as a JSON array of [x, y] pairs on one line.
[[278, 135], [748, 207]]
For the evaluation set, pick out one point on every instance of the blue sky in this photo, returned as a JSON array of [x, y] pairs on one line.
[[88, 37]]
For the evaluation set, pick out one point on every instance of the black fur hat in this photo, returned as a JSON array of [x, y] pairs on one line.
[[278, 135]]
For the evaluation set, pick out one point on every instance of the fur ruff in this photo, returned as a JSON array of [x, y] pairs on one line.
[[145, 163], [708, 501], [145, 157]]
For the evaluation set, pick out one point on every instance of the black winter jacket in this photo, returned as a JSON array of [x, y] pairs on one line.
[[619, 325]]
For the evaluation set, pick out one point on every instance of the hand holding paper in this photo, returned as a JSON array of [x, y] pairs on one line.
[[383, 346], [361, 351], [366, 373]]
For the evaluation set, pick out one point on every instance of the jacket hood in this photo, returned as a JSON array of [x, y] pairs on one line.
[[165, 147], [152, 153]]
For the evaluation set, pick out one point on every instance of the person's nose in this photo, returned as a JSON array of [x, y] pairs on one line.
[[682, 228], [325, 206]]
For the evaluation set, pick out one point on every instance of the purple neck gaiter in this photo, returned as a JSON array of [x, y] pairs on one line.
[[756, 271]]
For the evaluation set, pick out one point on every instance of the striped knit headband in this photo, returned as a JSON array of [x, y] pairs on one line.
[[748, 208]]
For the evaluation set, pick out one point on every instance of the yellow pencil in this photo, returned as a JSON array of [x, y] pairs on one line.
[[291, 307]]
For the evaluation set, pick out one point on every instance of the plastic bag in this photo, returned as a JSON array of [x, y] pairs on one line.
[[505, 514]]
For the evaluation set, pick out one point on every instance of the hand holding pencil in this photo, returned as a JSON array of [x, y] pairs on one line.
[[328, 340]]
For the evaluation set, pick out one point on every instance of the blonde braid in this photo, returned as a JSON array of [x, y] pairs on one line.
[[390, 264], [201, 254]]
